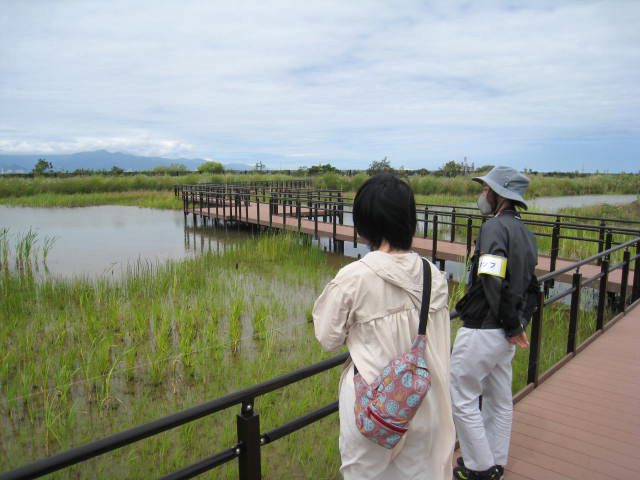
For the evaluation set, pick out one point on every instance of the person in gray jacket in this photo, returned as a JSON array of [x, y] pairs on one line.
[[494, 313]]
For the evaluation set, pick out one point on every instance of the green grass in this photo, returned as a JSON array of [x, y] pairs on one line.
[[21, 187], [579, 249], [630, 211], [445, 188], [83, 359], [148, 199]]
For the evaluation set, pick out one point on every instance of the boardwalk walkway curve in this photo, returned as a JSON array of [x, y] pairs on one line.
[[582, 422], [326, 220]]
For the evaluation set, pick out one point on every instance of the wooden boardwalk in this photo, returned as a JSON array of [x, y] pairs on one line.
[[444, 250], [583, 423]]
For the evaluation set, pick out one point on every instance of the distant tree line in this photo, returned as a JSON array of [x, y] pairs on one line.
[[450, 169]]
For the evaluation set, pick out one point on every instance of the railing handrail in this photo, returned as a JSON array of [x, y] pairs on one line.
[[132, 435], [591, 259], [542, 214]]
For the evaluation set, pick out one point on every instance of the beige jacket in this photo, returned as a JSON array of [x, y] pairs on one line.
[[372, 306]]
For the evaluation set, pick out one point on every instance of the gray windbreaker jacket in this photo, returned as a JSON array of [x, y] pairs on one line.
[[505, 236]]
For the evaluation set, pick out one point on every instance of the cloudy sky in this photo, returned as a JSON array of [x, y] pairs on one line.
[[548, 85]]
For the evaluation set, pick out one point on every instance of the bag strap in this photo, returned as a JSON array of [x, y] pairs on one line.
[[424, 306], [426, 298]]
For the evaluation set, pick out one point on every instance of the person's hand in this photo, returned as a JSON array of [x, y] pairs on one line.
[[520, 340]]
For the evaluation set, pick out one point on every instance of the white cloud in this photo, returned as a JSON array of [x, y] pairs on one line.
[[350, 81], [139, 143]]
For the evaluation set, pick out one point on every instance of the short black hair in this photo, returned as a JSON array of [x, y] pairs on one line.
[[384, 208]]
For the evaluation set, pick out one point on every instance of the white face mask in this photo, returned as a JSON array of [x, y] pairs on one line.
[[484, 205]]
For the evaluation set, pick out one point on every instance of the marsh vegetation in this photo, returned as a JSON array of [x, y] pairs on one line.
[[84, 190], [85, 358]]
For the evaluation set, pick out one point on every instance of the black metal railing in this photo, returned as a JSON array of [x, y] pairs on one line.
[[246, 450], [249, 185], [626, 295], [438, 222]]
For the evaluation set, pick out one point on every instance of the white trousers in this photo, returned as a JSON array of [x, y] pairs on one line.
[[481, 365]]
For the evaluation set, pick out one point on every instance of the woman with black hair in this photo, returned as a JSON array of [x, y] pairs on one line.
[[372, 306]]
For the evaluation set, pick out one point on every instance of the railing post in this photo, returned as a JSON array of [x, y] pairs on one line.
[[258, 208], [217, 197], [536, 340], [601, 239], [469, 234], [435, 237], [355, 237], [235, 214], [193, 209], [224, 207], [625, 279], [453, 224], [635, 292], [248, 428], [602, 294], [426, 222], [335, 212], [555, 243], [316, 205], [246, 205], [574, 313], [284, 215], [608, 240], [298, 212], [341, 207]]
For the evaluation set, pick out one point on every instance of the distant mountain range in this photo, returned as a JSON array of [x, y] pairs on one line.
[[101, 160]]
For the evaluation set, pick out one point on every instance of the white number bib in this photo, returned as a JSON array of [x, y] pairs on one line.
[[492, 265]]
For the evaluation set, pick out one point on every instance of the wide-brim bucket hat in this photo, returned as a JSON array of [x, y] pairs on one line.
[[506, 182]]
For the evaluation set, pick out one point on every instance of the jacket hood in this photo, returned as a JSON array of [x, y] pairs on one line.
[[404, 270]]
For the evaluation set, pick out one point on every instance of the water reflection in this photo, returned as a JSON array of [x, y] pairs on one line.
[[104, 240]]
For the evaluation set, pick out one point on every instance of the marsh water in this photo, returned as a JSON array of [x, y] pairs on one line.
[[553, 204], [105, 240]]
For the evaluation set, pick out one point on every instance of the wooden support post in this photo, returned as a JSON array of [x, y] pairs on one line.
[[425, 222], [315, 220], [435, 238], [453, 224], [635, 292], [625, 279], [536, 340], [574, 312], [258, 209], [602, 294], [469, 234], [601, 239], [334, 213]]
